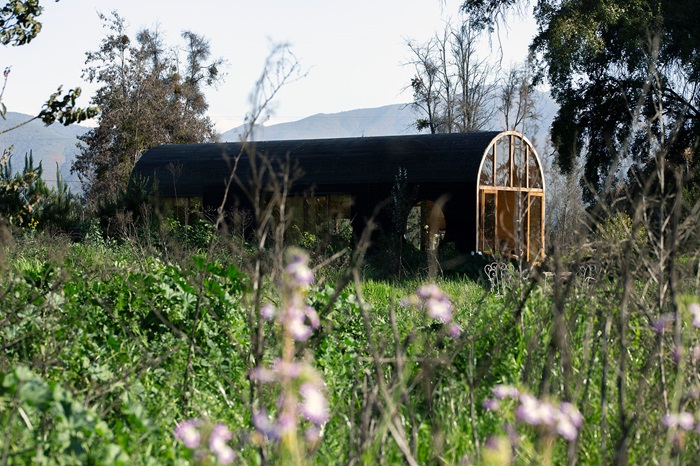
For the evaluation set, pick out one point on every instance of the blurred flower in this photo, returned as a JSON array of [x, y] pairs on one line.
[[264, 425], [491, 404], [694, 309], [572, 413], [188, 432], [534, 412], [312, 434], [505, 391], [312, 316], [298, 330], [314, 405], [268, 311], [564, 419], [663, 323], [455, 331], [683, 420], [436, 303], [287, 369], [218, 439], [298, 269]]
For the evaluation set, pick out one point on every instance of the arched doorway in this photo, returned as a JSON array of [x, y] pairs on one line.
[[426, 225]]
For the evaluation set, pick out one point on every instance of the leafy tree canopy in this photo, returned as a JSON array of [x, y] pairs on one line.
[[149, 95], [626, 74]]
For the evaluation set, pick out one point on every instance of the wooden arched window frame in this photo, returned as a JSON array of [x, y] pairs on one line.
[[510, 199]]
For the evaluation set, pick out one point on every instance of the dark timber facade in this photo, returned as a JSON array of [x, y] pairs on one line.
[[490, 184]]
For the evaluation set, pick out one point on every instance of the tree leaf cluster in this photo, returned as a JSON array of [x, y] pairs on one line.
[[625, 75], [149, 95]]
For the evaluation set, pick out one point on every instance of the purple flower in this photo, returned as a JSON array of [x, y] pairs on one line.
[[440, 309], [662, 324], [455, 331], [218, 439], [684, 420], [566, 429], [312, 316], [534, 412], [262, 374], [694, 309], [572, 412], [431, 291], [188, 432], [314, 405], [264, 425], [298, 330], [286, 369], [312, 434], [297, 268], [268, 311], [491, 404], [505, 391]]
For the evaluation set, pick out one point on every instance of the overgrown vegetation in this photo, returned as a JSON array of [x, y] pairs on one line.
[[172, 340]]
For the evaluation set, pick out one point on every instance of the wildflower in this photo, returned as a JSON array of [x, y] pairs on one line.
[[312, 316], [298, 269], [505, 391], [566, 429], [188, 432], [262, 374], [534, 412], [455, 331], [440, 310], [431, 291], [312, 434], [694, 309], [572, 412], [218, 439], [268, 311], [684, 420], [298, 330], [490, 404], [662, 324], [264, 425], [314, 406], [282, 368]]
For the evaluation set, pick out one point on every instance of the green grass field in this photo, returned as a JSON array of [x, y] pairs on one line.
[[106, 350]]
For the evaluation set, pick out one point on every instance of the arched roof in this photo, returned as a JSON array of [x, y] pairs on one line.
[[441, 158]]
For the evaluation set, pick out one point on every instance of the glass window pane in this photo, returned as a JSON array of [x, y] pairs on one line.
[[519, 163], [486, 178], [534, 172], [488, 223], [503, 161]]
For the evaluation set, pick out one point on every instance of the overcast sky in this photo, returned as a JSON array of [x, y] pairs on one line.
[[353, 51]]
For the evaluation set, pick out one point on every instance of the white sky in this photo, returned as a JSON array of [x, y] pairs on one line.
[[353, 51]]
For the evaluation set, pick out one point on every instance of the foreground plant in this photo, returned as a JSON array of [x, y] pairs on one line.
[[550, 419]]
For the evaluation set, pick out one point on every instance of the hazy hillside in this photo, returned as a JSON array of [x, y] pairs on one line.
[[381, 121], [51, 145]]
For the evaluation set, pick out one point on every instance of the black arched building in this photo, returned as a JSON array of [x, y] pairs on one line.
[[492, 182]]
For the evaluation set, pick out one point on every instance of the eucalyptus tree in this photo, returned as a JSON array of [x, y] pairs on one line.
[[149, 95]]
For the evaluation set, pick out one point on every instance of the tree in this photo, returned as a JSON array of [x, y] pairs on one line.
[[516, 100], [149, 96], [625, 75], [452, 87]]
